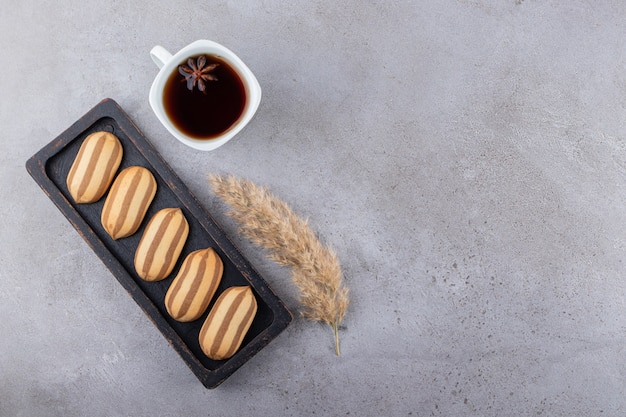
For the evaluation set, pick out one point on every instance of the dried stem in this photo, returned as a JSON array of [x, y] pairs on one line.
[[270, 223]]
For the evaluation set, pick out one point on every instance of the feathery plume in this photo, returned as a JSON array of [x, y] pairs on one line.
[[270, 223]]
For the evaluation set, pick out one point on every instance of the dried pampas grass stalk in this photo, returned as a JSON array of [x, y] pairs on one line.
[[270, 223]]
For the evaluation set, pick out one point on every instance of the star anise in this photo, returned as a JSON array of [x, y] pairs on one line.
[[197, 73]]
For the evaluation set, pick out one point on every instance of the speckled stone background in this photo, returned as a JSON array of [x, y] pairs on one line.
[[466, 159]]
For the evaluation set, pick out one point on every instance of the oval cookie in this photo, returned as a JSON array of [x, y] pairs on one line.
[[128, 201], [193, 288], [228, 322], [94, 167], [161, 244]]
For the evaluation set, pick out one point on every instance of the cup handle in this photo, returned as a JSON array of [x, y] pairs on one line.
[[160, 56]]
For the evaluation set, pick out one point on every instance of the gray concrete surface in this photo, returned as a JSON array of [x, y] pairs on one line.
[[466, 158]]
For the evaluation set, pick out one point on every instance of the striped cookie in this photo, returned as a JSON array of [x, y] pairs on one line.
[[193, 288], [94, 167], [128, 201], [161, 244], [228, 322]]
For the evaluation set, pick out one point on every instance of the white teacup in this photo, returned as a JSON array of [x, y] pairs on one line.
[[169, 63]]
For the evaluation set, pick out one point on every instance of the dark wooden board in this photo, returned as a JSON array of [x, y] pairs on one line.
[[49, 168]]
